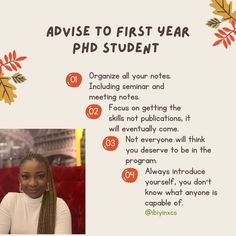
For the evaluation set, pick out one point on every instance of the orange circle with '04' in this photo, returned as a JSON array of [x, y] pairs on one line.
[[130, 175], [110, 143], [93, 111], [73, 79]]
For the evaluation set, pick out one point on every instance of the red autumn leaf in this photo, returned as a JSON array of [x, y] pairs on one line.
[[219, 36], [234, 32], [21, 58], [14, 55], [225, 44], [17, 64], [1, 62], [13, 66], [227, 29], [233, 23], [231, 37], [217, 42], [10, 56], [221, 32], [6, 58], [8, 67], [228, 41]]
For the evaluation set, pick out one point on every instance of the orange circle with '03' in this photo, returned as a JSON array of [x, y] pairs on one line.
[[110, 143]]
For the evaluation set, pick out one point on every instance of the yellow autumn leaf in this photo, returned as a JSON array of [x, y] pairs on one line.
[[6, 90], [223, 9]]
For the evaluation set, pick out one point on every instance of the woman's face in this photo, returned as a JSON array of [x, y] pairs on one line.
[[33, 178]]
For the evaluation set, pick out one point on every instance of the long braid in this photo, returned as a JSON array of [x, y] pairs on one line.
[[47, 215]]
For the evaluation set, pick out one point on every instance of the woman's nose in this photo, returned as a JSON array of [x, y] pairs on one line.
[[33, 182]]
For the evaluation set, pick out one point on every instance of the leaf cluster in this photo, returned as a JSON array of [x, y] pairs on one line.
[[10, 62], [225, 10]]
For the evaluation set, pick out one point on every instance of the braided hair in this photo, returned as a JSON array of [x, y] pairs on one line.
[[47, 215]]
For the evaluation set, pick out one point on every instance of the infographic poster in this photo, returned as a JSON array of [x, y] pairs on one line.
[[153, 85]]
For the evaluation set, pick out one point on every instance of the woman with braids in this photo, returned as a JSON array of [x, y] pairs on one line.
[[36, 209]]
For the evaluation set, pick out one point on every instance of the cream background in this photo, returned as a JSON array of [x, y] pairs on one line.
[[203, 85]]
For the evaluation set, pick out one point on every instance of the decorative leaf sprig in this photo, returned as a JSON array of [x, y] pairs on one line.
[[10, 62], [225, 35], [213, 23], [18, 78]]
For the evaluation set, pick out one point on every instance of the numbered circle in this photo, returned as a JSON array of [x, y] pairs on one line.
[[73, 79], [110, 143], [130, 175], [93, 111]]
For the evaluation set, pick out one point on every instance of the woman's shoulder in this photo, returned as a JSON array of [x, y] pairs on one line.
[[61, 202], [10, 200], [12, 196], [61, 205], [63, 218]]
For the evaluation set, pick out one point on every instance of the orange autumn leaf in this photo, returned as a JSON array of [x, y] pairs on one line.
[[223, 9], [6, 90]]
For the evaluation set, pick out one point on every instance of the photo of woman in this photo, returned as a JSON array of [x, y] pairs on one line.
[[42, 181], [36, 209]]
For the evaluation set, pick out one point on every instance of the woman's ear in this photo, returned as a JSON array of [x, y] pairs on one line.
[[20, 188], [19, 177]]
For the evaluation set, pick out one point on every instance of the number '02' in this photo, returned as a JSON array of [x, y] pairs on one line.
[[93, 111]]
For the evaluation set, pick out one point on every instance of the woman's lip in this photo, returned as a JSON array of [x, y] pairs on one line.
[[33, 190]]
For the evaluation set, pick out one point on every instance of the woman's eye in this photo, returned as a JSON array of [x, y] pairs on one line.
[[24, 176], [41, 176]]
